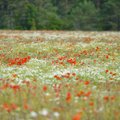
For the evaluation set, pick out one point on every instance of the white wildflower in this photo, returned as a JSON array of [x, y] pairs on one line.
[[44, 112], [56, 114], [33, 114]]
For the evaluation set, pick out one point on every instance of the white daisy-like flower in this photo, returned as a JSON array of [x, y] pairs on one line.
[[44, 112], [56, 114], [33, 114]]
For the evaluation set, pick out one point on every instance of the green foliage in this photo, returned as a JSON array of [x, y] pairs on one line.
[[60, 15], [110, 15], [84, 16]]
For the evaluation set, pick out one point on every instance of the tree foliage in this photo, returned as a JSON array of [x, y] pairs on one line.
[[60, 14]]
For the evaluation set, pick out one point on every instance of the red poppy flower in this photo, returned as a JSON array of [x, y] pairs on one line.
[[77, 116], [68, 97]]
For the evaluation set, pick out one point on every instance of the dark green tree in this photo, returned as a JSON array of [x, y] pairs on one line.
[[110, 15], [47, 17], [84, 16], [60, 14]]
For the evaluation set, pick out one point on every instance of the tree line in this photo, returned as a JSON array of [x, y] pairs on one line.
[[60, 14]]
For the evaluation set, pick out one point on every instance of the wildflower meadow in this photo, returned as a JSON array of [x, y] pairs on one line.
[[59, 75]]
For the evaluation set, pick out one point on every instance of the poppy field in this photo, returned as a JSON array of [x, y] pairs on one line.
[[59, 75]]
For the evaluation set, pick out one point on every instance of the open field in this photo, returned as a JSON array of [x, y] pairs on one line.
[[59, 75]]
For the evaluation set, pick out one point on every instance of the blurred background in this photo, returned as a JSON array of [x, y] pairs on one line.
[[94, 15]]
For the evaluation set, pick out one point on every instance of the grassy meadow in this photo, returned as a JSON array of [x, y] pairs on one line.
[[59, 75]]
